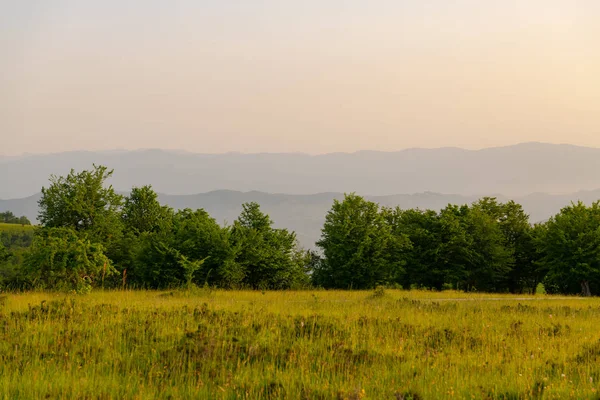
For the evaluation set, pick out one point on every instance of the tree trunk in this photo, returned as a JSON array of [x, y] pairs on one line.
[[585, 288]]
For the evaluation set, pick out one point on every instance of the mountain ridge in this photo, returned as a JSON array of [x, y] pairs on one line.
[[305, 214], [511, 170], [188, 152]]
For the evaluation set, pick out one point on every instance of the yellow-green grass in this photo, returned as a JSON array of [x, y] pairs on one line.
[[298, 345], [15, 227]]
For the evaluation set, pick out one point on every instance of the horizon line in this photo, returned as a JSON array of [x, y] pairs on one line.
[[426, 192], [187, 152]]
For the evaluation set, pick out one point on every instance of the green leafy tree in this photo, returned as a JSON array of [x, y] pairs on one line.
[[142, 212], [266, 257], [192, 242], [199, 237], [62, 258], [9, 218], [82, 202], [519, 238], [438, 243], [418, 228], [356, 242], [489, 257], [456, 246], [144, 220], [570, 248]]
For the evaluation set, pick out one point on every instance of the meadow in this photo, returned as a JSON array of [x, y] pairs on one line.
[[297, 345], [15, 227]]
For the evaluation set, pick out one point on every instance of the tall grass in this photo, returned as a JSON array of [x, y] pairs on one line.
[[297, 345]]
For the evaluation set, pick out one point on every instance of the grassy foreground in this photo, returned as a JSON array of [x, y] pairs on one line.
[[298, 345]]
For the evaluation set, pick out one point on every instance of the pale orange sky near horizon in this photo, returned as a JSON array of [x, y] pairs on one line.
[[276, 76]]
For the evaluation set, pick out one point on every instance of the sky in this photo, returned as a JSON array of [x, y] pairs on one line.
[[312, 76]]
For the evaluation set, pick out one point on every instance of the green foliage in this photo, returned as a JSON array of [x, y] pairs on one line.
[[199, 237], [524, 275], [4, 254], [265, 257], [490, 257], [193, 235], [16, 239], [142, 213], [570, 245], [438, 249], [62, 258], [87, 228], [142, 220], [358, 246], [187, 267], [82, 202], [487, 246], [8, 217], [11, 272]]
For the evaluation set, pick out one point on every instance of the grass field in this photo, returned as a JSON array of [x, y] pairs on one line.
[[298, 345], [15, 227]]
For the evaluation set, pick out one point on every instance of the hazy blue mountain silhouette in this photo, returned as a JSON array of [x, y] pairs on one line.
[[512, 170]]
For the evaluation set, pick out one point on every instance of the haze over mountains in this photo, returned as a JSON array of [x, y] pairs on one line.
[[305, 214], [513, 171], [412, 178]]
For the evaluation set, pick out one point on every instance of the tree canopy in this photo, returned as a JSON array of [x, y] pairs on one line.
[[570, 248], [91, 236], [358, 246]]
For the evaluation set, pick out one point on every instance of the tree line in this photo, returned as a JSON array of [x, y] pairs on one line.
[[90, 236], [8, 217]]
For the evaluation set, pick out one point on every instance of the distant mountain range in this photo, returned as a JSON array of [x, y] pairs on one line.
[[305, 214], [513, 171]]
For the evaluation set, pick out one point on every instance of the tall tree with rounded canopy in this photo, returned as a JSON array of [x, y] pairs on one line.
[[142, 211], [266, 257], [81, 201], [356, 243], [570, 247]]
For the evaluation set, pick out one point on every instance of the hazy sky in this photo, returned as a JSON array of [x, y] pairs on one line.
[[306, 75]]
